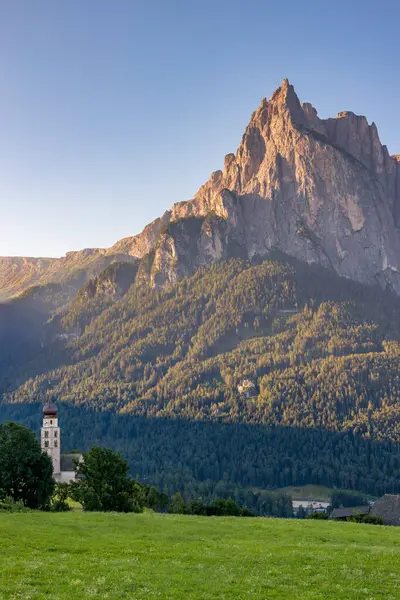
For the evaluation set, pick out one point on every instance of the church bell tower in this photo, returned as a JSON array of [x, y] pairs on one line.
[[50, 436]]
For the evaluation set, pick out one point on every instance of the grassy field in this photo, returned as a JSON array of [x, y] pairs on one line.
[[311, 492], [77, 556], [308, 492]]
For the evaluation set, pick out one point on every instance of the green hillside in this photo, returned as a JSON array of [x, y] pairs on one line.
[[308, 492], [321, 350], [156, 373], [78, 555]]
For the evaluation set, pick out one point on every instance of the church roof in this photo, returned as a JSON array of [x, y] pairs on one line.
[[67, 461], [50, 409]]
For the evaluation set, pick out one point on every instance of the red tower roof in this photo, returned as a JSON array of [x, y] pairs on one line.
[[50, 410]]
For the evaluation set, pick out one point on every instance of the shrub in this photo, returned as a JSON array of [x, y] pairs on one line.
[[177, 505], [59, 501], [11, 505], [318, 516], [371, 519]]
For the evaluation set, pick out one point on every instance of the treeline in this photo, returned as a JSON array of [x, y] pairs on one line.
[[343, 498], [212, 460], [217, 508], [102, 483]]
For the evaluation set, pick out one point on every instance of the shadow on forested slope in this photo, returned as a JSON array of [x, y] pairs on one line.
[[24, 349], [211, 459]]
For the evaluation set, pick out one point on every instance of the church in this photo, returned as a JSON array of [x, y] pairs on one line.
[[50, 440]]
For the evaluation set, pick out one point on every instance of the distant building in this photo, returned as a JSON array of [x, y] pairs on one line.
[[50, 440], [247, 388], [342, 514], [388, 508], [309, 506]]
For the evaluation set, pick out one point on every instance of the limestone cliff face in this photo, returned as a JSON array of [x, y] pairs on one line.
[[142, 244], [323, 191], [193, 242]]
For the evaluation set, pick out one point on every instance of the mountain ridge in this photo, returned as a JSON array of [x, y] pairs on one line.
[[324, 191]]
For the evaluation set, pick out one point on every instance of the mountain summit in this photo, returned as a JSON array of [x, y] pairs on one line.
[[324, 191], [321, 190]]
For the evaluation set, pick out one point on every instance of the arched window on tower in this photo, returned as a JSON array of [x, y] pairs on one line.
[[46, 444], [55, 444], [46, 434]]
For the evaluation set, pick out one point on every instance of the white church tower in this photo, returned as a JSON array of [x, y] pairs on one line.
[[50, 437]]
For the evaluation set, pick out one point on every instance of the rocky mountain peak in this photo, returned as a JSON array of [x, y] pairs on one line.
[[324, 191], [285, 99]]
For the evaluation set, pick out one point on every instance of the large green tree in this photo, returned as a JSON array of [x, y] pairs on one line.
[[103, 483], [26, 473]]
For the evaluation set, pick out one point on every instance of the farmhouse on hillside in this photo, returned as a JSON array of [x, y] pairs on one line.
[[342, 514], [246, 388], [387, 508]]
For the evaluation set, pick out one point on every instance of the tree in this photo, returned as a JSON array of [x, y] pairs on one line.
[[60, 498], [104, 483], [318, 516], [221, 507], [26, 473], [177, 505], [155, 499], [301, 513], [197, 507], [246, 512], [346, 498]]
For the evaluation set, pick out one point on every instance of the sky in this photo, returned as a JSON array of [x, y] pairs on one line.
[[113, 110]]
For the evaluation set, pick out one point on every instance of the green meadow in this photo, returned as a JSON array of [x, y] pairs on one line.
[[91, 555]]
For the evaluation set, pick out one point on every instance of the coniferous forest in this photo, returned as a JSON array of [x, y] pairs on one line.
[[237, 380]]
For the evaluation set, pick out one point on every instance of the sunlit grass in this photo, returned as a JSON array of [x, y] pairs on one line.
[[76, 556], [73, 504]]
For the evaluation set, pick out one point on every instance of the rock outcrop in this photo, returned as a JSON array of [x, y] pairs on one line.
[[322, 190], [18, 273], [72, 271]]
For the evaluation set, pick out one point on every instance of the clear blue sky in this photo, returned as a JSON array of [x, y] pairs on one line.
[[112, 110]]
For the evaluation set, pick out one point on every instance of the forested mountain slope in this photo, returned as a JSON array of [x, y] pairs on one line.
[[321, 351], [156, 374]]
